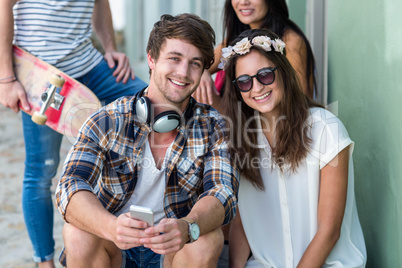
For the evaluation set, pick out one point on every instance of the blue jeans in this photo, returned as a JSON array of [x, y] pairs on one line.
[[42, 149], [141, 257]]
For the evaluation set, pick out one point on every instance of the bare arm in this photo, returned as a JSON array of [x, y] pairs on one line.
[[206, 91], [239, 249], [209, 213], [92, 217], [296, 53], [331, 208], [217, 59], [11, 93], [7, 33], [103, 26]]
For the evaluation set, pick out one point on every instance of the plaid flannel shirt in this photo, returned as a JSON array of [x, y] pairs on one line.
[[104, 160]]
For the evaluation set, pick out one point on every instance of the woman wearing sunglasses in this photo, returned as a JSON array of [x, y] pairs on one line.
[[240, 15], [296, 195]]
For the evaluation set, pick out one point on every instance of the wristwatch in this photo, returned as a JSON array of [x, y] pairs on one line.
[[193, 229]]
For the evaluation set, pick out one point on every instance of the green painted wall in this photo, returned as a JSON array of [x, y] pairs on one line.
[[297, 12], [365, 81]]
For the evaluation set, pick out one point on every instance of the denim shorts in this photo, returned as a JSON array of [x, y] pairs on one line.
[[141, 257]]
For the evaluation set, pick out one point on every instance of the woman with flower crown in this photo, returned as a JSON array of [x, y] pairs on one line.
[[240, 15], [296, 195]]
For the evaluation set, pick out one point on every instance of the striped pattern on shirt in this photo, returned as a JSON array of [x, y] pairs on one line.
[[57, 32]]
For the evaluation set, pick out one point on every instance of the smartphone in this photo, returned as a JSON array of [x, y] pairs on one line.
[[143, 214]]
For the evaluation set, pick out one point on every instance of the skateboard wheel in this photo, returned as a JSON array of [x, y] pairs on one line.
[[57, 80], [38, 118]]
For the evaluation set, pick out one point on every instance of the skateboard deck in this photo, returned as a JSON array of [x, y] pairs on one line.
[[56, 99]]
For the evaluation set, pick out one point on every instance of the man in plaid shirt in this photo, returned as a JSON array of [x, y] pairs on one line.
[[125, 155]]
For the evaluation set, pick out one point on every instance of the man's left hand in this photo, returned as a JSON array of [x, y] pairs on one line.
[[123, 70], [170, 236]]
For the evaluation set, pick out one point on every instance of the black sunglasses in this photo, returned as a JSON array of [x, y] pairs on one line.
[[265, 76]]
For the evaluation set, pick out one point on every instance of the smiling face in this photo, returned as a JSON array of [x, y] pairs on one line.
[[250, 12], [263, 98], [175, 74]]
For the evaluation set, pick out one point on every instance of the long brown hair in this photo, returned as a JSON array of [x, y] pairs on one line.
[[291, 132]]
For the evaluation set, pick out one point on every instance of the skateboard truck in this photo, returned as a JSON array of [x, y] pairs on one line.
[[50, 98]]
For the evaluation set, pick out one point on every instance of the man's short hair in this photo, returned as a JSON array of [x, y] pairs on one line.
[[187, 27]]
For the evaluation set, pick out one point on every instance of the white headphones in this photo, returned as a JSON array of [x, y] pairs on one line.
[[163, 122]]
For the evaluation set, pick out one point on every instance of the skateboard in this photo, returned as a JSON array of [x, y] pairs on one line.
[[56, 99]]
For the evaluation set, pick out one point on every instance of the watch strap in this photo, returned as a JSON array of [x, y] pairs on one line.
[[188, 220], [189, 223]]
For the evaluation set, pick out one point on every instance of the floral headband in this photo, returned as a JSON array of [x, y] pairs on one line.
[[243, 46]]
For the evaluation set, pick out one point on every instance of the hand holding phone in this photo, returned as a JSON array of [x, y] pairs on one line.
[[143, 214]]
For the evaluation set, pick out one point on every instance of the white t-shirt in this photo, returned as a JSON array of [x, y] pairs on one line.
[[150, 188], [281, 221]]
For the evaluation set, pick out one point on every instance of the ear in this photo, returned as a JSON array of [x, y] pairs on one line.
[[151, 61]]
